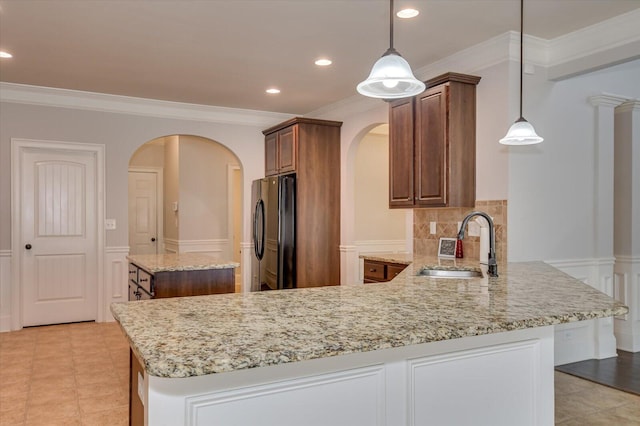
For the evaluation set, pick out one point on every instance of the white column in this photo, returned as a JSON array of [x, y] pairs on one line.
[[349, 264], [604, 339], [626, 225], [246, 255]]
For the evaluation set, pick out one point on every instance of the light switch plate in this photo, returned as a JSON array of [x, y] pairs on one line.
[[110, 224], [432, 227]]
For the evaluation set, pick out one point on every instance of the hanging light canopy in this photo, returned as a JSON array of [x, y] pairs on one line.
[[521, 132], [391, 76]]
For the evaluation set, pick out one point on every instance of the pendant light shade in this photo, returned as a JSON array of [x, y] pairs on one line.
[[391, 76], [521, 132]]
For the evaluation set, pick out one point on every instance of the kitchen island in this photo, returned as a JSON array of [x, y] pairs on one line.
[[416, 350], [179, 274]]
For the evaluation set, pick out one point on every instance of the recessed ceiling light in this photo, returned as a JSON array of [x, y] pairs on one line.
[[273, 91], [323, 62], [4, 54], [408, 13]]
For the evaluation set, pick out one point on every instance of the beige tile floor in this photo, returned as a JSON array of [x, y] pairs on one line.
[[73, 374], [77, 374]]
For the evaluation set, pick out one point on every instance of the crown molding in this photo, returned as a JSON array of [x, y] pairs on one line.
[[75, 99], [607, 99], [630, 105], [607, 43], [618, 31]]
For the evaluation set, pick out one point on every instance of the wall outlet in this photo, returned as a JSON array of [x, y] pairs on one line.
[[141, 387], [432, 228], [110, 224]]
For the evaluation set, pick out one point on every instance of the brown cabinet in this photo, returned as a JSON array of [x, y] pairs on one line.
[[311, 149], [432, 145], [136, 406], [280, 151], [146, 285], [376, 271]]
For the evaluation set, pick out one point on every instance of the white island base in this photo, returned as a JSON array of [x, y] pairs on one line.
[[495, 379]]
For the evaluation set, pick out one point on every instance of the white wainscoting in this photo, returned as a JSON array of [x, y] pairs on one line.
[[498, 379], [5, 290], [627, 291], [376, 246], [481, 377], [593, 339], [353, 397], [220, 248], [116, 273]]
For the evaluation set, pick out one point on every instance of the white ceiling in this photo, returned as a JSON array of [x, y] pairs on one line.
[[227, 52]]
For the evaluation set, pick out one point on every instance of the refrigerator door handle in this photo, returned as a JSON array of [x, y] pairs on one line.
[[258, 237]]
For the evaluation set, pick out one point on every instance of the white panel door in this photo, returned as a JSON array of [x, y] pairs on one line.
[[59, 231], [143, 213]]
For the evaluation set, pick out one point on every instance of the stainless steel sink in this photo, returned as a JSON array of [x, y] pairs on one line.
[[450, 273]]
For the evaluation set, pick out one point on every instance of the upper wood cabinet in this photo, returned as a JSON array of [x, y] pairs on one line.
[[432, 145], [280, 151], [311, 149]]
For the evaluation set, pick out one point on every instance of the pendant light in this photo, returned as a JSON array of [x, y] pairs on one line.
[[391, 76], [521, 132]]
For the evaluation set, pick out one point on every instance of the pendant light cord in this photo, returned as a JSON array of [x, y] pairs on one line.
[[391, 25], [521, 51]]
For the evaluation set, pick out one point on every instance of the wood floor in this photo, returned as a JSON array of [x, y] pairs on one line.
[[621, 372], [77, 374]]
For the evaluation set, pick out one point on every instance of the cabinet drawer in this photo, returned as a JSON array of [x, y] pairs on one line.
[[393, 270], [145, 281], [133, 273], [374, 271]]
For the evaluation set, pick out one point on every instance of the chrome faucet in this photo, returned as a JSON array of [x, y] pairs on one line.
[[493, 266]]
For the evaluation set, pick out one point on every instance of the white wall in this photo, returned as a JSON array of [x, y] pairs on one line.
[[376, 221], [204, 194], [551, 185], [171, 187], [151, 154]]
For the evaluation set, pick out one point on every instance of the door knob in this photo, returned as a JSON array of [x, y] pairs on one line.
[[153, 239], [28, 246]]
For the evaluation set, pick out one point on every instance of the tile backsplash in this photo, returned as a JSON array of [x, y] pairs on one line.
[[425, 243]]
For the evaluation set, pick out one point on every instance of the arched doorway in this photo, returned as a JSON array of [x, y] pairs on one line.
[[185, 195]]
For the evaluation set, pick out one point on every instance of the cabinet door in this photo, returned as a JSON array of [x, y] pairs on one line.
[[271, 154], [401, 153], [394, 269], [431, 148], [287, 149]]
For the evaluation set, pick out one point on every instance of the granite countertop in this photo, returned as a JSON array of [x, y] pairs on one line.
[[191, 336], [179, 262], [401, 258]]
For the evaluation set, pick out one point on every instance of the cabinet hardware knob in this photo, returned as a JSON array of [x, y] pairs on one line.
[[372, 270], [153, 239], [132, 272], [28, 246], [144, 279]]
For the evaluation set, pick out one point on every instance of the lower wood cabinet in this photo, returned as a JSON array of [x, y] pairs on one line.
[[376, 271], [146, 285], [136, 406]]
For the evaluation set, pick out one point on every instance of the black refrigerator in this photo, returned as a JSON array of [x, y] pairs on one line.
[[273, 265]]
